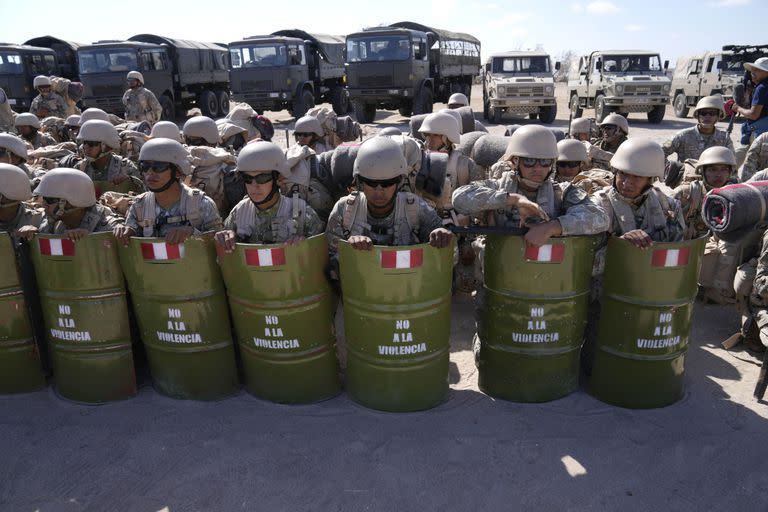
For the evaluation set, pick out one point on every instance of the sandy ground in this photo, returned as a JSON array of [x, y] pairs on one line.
[[472, 452]]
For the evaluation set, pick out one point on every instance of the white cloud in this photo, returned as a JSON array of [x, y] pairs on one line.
[[508, 20], [602, 8], [731, 3], [577, 7], [634, 28]]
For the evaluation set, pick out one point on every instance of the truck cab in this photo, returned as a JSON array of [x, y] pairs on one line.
[[704, 75], [19, 65]]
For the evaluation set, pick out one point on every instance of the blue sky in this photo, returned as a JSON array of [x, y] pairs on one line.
[[674, 28]]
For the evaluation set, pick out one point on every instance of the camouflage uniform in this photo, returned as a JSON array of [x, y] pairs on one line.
[[756, 159], [141, 105], [40, 140], [25, 216], [690, 195], [117, 166], [690, 143], [288, 217], [6, 114], [611, 147], [655, 212], [461, 170], [599, 158], [98, 218], [54, 103], [147, 218], [758, 299]]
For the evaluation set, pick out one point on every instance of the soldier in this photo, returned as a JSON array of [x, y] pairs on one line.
[[47, 103], [572, 158], [166, 130], [140, 103], [526, 194], [690, 142], [756, 158], [13, 151], [457, 100], [265, 216], [200, 131], [169, 209], [70, 205], [98, 142], [581, 129], [309, 132], [72, 127], [93, 114], [757, 113], [6, 113], [16, 217], [376, 213], [614, 129], [28, 125]]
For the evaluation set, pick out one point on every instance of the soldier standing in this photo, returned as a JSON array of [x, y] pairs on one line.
[[47, 103], [98, 142], [28, 125], [691, 142], [140, 103], [16, 217]]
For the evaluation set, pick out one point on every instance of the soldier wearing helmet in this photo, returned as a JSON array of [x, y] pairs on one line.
[[200, 131], [69, 200], [265, 216], [691, 142], [526, 194], [309, 132], [27, 125], [140, 103], [47, 103], [169, 209], [457, 100], [72, 127], [614, 129], [98, 142], [6, 113], [581, 130], [572, 158], [377, 213], [13, 150], [16, 217], [166, 130], [93, 114]]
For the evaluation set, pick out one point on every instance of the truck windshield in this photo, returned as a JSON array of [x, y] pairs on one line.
[[631, 63], [107, 60], [521, 65], [371, 49], [731, 65], [10, 63], [258, 56]]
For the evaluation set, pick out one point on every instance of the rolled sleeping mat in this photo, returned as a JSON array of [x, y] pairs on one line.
[[733, 211], [480, 127], [467, 119], [489, 149], [557, 132], [342, 164], [468, 140], [510, 129], [415, 124], [431, 175]]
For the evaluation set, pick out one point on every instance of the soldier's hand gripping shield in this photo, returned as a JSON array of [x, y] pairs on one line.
[[645, 322], [397, 322], [532, 316], [85, 312], [179, 300], [21, 370], [282, 308]]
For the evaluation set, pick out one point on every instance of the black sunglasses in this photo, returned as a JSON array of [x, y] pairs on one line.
[[51, 200], [92, 143], [379, 183], [609, 127], [530, 162], [708, 113], [194, 141], [260, 178], [151, 165]]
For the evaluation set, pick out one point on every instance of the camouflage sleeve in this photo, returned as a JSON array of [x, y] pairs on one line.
[[675, 230], [210, 218], [229, 222], [759, 176], [673, 145], [108, 221], [429, 220], [583, 214], [132, 221], [35, 105], [479, 196], [476, 173], [598, 155], [61, 107], [154, 105], [334, 231], [760, 287], [313, 225], [126, 95], [752, 160]]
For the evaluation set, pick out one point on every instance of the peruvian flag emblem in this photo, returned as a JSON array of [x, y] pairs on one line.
[[549, 253], [409, 258], [162, 251], [670, 257], [265, 257], [57, 247]]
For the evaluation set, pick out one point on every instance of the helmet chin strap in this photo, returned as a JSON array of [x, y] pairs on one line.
[[275, 190], [9, 203], [165, 187], [92, 159]]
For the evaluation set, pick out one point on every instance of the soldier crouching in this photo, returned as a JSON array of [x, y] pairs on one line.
[[16, 217]]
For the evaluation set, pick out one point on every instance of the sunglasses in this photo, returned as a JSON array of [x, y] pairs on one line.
[[92, 143], [156, 167], [530, 162], [302, 134], [261, 178], [708, 113], [380, 183], [570, 165], [194, 141], [51, 200], [609, 127]]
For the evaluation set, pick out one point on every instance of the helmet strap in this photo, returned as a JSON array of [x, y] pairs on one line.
[[174, 179], [275, 190]]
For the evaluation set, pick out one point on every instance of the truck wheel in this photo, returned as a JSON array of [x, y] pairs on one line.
[[208, 104], [533, 115], [486, 109], [406, 110], [423, 102], [601, 110], [169, 111], [656, 115], [305, 102], [340, 100], [222, 98], [681, 109], [365, 112], [576, 110], [548, 114]]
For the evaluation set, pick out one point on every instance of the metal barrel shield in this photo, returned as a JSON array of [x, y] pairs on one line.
[[397, 322], [645, 322], [283, 308], [20, 366], [532, 315], [85, 311], [179, 300]]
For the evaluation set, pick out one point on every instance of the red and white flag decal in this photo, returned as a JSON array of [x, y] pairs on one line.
[[162, 251], [57, 247], [670, 257], [410, 258], [265, 257], [550, 253]]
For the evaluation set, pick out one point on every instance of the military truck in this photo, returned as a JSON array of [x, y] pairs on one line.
[[408, 66], [181, 73], [289, 69], [66, 55], [19, 65], [620, 81], [519, 83]]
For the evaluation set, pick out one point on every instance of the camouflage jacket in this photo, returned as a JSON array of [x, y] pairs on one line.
[[6, 116], [690, 143], [656, 212], [40, 140], [756, 159], [194, 208], [460, 170], [97, 218], [142, 105], [25, 216], [54, 103], [117, 166], [759, 296], [598, 158], [611, 147], [289, 217], [577, 212], [691, 195]]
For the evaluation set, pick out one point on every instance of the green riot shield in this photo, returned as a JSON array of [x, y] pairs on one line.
[[282, 308], [645, 322], [397, 322], [179, 300], [85, 312], [132, 184], [20, 367], [532, 314]]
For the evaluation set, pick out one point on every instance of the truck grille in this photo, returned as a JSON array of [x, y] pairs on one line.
[[642, 90], [524, 92], [257, 85], [375, 81]]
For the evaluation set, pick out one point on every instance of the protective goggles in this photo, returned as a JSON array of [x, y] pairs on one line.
[[195, 141], [609, 127], [542, 162], [708, 113], [146, 166], [92, 143], [261, 178], [51, 200], [379, 183]]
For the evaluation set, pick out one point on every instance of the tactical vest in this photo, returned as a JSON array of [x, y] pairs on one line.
[[146, 215], [657, 211], [92, 218], [456, 175], [405, 226], [287, 222], [549, 197]]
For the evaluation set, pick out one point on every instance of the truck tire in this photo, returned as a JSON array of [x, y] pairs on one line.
[[340, 100], [208, 104], [601, 109], [303, 103], [486, 108], [548, 114], [406, 109], [533, 115], [222, 98], [679, 106], [365, 112], [423, 103], [656, 115], [169, 110], [576, 110]]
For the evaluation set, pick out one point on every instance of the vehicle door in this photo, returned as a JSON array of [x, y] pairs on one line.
[[156, 68]]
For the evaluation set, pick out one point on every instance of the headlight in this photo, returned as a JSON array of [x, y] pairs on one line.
[[274, 95], [619, 89], [549, 89], [393, 92], [666, 88], [502, 91]]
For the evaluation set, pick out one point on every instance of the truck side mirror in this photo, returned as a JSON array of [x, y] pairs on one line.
[[666, 65], [557, 66], [599, 65]]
